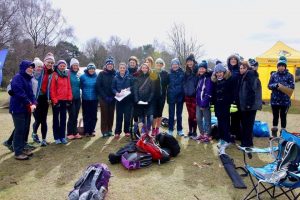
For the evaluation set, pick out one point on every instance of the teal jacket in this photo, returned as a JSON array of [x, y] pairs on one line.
[[75, 84]]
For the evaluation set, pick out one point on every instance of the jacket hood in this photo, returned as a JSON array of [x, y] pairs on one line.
[[230, 67], [24, 65], [125, 75], [226, 76]]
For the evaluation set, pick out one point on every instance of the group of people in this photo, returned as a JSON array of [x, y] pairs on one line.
[[138, 93]]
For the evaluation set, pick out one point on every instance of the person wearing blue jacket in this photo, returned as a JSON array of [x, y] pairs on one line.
[[74, 108], [121, 82], [22, 104], [175, 96], [280, 102], [89, 99]]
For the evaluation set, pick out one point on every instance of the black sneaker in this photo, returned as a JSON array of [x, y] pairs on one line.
[[29, 147], [35, 138], [9, 146]]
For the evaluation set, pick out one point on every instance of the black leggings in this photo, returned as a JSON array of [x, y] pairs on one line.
[[40, 115], [282, 110]]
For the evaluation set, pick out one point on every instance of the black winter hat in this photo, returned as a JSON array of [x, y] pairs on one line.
[[191, 57]]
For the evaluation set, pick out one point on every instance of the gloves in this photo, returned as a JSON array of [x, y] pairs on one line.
[[233, 108], [30, 108], [212, 108]]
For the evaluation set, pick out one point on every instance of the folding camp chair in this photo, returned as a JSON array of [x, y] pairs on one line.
[[280, 177]]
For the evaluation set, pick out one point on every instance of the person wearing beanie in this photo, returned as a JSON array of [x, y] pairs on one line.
[[73, 109], [280, 102], [133, 63], [190, 83], [253, 63], [143, 90], [89, 99], [123, 82], [250, 101], [175, 96], [161, 85], [106, 96], [222, 100], [204, 92], [61, 98], [43, 98], [22, 104], [233, 64]]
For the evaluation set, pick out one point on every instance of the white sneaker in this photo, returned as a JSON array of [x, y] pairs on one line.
[[223, 147]]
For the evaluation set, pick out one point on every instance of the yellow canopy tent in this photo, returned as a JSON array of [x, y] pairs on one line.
[[268, 63]]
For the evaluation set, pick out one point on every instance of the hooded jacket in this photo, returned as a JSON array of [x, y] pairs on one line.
[[175, 91], [88, 86], [204, 90], [286, 79], [22, 88]]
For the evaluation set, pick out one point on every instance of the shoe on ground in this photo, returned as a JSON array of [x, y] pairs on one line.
[[9, 146], [44, 143], [110, 133], [127, 134], [92, 135], [64, 141], [206, 139], [29, 146], [78, 136], [22, 157], [199, 137], [27, 152], [223, 147], [170, 132], [117, 136], [57, 141], [71, 137], [180, 133], [220, 143], [35, 138]]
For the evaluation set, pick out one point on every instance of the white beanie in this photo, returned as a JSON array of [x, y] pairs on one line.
[[37, 62], [74, 61], [49, 56]]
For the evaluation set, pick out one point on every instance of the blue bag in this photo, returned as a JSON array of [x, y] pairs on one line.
[[261, 129]]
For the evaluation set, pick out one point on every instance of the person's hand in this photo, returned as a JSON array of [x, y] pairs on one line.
[[202, 108], [279, 85], [32, 108]]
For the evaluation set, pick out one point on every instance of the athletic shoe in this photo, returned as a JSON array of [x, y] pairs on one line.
[[92, 135], [29, 146], [110, 133], [127, 134], [206, 139], [117, 136], [27, 152], [57, 141], [21, 157], [35, 138], [70, 137], [180, 133], [199, 137], [223, 147], [64, 141], [78, 136], [220, 143], [9, 146], [44, 143], [170, 132]]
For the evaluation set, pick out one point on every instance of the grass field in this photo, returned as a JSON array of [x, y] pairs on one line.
[[53, 170]]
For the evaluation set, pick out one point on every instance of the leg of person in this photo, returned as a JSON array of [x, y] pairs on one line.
[[93, 116], [71, 112], [56, 110], [171, 117], [119, 118], [193, 117], [127, 116], [27, 128], [63, 120], [188, 107], [179, 108], [111, 114], [9, 143], [199, 116], [235, 124], [104, 118], [35, 126], [275, 111], [44, 114], [85, 115], [283, 114], [19, 135], [248, 118], [207, 121], [77, 103]]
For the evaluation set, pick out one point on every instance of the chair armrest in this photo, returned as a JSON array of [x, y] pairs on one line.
[[257, 150]]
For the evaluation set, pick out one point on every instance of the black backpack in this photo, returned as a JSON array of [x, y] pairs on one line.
[[169, 142]]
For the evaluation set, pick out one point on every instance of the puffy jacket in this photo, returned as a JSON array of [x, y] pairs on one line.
[[75, 84], [104, 82], [190, 83], [286, 79], [204, 90], [88, 86], [222, 93], [175, 91], [22, 88], [60, 87], [119, 83], [147, 92], [250, 91]]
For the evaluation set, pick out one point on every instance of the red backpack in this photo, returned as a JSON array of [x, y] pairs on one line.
[[147, 144]]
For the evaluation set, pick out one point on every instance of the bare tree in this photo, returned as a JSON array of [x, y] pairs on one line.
[[43, 24], [96, 52], [118, 49], [9, 26], [183, 45]]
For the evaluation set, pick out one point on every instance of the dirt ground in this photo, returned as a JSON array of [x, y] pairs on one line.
[[53, 170]]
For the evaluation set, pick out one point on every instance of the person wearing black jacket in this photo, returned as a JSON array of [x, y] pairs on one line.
[[161, 84], [250, 101], [143, 90], [107, 100]]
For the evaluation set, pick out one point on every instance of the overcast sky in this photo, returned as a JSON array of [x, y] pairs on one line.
[[248, 27]]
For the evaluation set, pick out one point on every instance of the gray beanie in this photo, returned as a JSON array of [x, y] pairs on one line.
[[220, 68]]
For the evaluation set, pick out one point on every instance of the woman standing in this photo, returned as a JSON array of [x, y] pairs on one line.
[[43, 97], [122, 82], [280, 102], [74, 108], [107, 100], [89, 99], [175, 96], [61, 98], [143, 95], [203, 98], [22, 104], [250, 101], [190, 82], [161, 85]]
